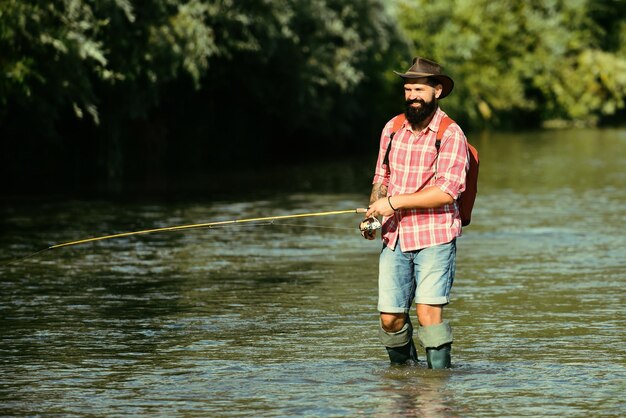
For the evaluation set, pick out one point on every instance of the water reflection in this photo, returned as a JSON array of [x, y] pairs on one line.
[[417, 392]]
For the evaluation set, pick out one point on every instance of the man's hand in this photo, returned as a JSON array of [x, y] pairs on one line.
[[380, 207]]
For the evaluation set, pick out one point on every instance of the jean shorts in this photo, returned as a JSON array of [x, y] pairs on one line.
[[424, 276]]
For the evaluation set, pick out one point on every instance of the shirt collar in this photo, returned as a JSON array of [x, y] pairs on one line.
[[436, 120]]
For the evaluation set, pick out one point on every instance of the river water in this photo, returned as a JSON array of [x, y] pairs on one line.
[[280, 319]]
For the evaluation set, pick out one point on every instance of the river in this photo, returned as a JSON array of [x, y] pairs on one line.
[[280, 319]]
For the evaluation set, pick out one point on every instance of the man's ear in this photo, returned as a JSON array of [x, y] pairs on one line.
[[438, 90]]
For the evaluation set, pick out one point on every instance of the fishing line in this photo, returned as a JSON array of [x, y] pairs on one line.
[[18, 260], [343, 228], [267, 219]]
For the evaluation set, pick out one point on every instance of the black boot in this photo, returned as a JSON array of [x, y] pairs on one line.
[[404, 354]]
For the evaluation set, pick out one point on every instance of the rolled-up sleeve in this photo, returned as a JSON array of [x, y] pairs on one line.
[[453, 162]]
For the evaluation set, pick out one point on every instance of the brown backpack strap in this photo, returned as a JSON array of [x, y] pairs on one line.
[[443, 125], [398, 121]]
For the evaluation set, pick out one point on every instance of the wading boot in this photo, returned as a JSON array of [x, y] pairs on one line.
[[437, 340], [439, 358], [399, 345], [402, 355]]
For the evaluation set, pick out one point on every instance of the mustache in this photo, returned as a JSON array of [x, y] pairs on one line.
[[411, 101]]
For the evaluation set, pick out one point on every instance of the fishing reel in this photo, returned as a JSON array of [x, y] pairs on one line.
[[369, 225]]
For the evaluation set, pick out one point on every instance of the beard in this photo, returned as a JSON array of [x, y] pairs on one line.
[[416, 116]]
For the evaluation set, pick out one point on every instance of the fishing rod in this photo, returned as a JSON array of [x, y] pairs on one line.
[[192, 226]]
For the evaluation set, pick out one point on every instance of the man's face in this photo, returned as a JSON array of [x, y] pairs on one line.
[[420, 99]]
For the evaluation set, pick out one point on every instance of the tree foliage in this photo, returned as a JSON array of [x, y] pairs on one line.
[[519, 61], [68, 49], [183, 84]]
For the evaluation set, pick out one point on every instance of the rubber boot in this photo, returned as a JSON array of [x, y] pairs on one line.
[[439, 358], [399, 345], [402, 355], [437, 340]]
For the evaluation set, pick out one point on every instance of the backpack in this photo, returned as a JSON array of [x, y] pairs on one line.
[[467, 198]]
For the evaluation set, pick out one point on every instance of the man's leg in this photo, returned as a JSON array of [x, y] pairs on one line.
[[396, 291], [429, 314], [435, 335], [435, 268], [396, 334]]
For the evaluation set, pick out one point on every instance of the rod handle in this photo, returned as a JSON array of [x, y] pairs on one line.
[[361, 210]]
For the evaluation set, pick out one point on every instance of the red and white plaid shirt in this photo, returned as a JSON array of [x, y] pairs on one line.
[[414, 165]]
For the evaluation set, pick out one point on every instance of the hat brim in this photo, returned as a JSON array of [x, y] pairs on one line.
[[446, 82]]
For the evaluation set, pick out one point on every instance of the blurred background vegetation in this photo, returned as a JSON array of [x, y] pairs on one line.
[[114, 96]]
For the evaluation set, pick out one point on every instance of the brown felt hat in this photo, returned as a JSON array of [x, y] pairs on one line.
[[423, 67]]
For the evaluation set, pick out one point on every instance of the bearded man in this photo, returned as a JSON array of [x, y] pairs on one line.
[[415, 190]]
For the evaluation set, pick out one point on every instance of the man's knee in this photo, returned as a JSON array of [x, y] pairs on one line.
[[392, 322], [429, 314]]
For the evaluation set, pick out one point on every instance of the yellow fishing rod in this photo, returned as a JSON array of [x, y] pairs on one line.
[[192, 226], [206, 225]]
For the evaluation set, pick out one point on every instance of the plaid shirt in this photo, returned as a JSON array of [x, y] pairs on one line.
[[413, 165]]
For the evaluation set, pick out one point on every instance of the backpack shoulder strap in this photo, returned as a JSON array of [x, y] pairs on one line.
[[398, 121], [443, 125]]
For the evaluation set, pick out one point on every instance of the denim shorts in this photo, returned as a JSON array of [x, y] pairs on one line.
[[424, 276]]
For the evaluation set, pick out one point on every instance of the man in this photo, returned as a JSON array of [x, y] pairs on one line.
[[415, 191]]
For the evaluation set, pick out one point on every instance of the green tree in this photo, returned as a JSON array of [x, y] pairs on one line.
[[521, 62], [116, 87]]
